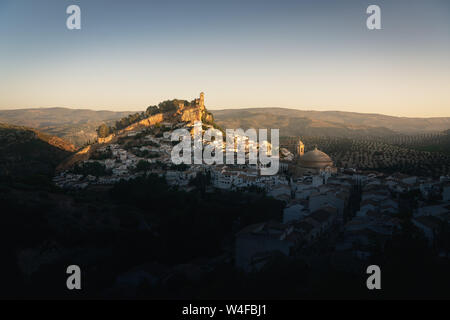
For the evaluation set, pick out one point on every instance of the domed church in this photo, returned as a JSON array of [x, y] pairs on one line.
[[314, 162]]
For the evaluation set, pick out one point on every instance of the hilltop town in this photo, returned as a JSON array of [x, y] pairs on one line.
[[137, 222], [342, 212]]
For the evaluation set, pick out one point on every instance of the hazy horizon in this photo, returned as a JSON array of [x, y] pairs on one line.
[[257, 54], [224, 109]]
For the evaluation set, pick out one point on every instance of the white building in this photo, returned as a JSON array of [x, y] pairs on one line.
[[258, 241], [281, 192], [294, 212], [446, 193]]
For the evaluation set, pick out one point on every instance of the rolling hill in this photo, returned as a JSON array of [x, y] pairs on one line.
[[76, 126], [27, 153], [328, 123]]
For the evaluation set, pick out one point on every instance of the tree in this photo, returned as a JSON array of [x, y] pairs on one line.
[[91, 168], [152, 110], [103, 131], [143, 165], [168, 105]]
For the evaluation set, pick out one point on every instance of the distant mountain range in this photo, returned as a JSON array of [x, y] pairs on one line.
[[78, 126], [329, 123]]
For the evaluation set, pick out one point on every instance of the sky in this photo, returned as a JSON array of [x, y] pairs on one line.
[[308, 55]]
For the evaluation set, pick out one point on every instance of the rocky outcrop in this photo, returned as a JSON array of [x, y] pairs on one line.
[[191, 115], [106, 139], [147, 122]]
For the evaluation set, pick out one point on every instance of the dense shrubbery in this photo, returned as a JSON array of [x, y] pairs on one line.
[[168, 228], [27, 154], [383, 155], [163, 107], [193, 225], [103, 131], [168, 106], [145, 153], [201, 181], [179, 167], [143, 165], [431, 142], [101, 155], [91, 168]]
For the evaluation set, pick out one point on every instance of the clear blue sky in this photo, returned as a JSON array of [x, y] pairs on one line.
[[315, 55]]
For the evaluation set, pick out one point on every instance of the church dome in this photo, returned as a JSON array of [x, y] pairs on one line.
[[315, 159]]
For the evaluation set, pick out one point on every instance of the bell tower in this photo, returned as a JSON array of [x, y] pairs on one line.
[[202, 100], [300, 148]]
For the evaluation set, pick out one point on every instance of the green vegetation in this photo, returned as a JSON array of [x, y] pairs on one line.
[[128, 120], [170, 105], [163, 107], [29, 155], [192, 224], [110, 232], [201, 181], [101, 155], [381, 155], [432, 142], [179, 167], [143, 165], [80, 126], [94, 168], [103, 130], [145, 153], [292, 122], [76, 126]]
